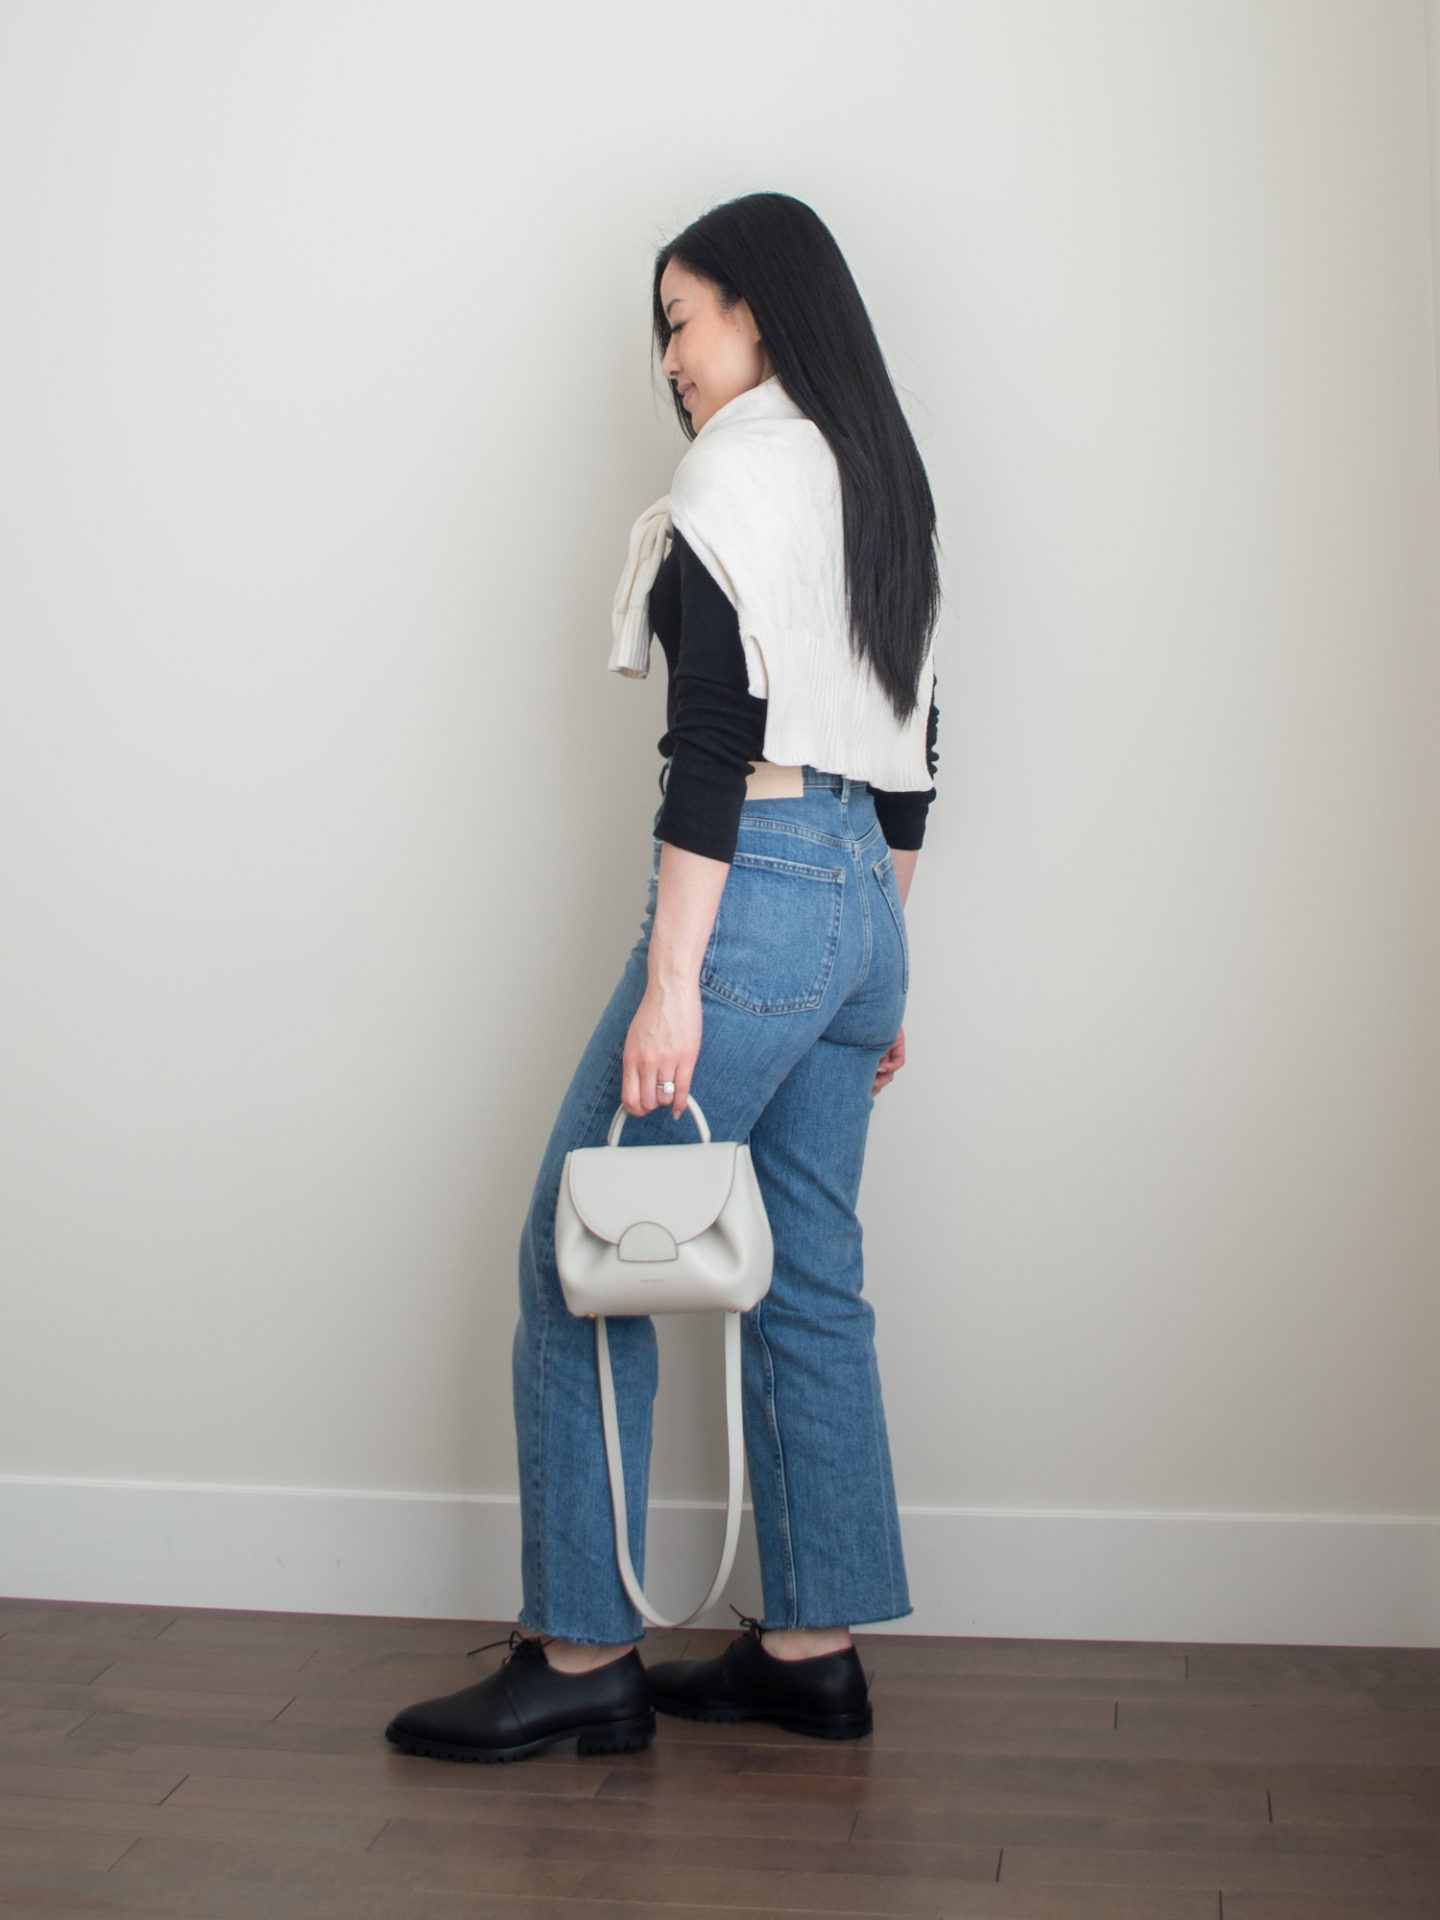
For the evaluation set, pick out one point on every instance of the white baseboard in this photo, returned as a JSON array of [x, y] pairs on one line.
[[1296, 1579]]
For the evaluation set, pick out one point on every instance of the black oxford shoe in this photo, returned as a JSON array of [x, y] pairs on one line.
[[527, 1705], [825, 1695]]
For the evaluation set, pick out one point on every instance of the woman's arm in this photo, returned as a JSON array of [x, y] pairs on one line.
[[664, 1038], [715, 734], [902, 815], [903, 859]]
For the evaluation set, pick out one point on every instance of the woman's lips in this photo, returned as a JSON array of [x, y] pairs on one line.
[[685, 393]]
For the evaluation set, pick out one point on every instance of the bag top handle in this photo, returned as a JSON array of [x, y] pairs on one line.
[[692, 1105]]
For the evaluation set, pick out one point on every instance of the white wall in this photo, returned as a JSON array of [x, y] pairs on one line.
[[1433, 50], [329, 406]]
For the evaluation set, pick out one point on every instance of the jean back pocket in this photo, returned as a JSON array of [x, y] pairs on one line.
[[776, 934]]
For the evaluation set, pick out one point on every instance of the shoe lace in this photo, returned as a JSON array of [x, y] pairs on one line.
[[751, 1625], [518, 1642]]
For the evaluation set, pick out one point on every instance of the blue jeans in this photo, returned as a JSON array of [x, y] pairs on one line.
[[803, 989]]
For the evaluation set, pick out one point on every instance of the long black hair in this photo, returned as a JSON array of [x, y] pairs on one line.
[[777, 253]]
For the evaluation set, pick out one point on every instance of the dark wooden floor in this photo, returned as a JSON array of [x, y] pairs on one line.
[[219, 1766]]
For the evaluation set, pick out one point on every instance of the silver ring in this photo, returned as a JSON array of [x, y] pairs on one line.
[[665, 1086]]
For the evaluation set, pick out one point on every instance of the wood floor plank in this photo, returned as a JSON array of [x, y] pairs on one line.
[[339, 1827], [1290, 1872], [1278, 1729], [98, 1893], [1257, 1841], [979, 1785], [559, 1771], [1288, 1669], [172, 1702], [926, 1810], [220, 1628], [837, 1770], [937, 1657], [971, 1903], [84, 1616], [1001, 1724], [107, 1649], [894, 1687], [131, 1726], [71, 1782], [38, 1723], [1061, 1903], [34, 1667], [184, 1867], [60, 1846], [1245, 1903], [49, 1911], [1317, 1808], [896, 1694], [586, 1897], [1006, 1824], [288, 1674], [821, 1861], [434, 1800], [1039, 1786]]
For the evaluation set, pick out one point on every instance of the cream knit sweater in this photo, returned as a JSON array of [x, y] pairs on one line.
[[757, 495]]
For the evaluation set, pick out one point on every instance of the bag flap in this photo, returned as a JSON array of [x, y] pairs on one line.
[[682, 1188]]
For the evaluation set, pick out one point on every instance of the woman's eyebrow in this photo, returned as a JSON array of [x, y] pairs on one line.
[[671, 303]]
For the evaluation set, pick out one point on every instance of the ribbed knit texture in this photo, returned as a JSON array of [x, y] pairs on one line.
[[757, 496]]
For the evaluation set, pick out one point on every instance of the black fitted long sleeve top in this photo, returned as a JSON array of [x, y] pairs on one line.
[[715, 727]]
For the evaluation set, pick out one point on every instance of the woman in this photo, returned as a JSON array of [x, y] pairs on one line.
[[790, 576]]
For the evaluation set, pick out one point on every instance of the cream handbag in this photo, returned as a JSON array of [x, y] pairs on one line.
[[670, 1229]]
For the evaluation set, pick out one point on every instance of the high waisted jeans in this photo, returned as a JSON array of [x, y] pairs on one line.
[[803, 989]]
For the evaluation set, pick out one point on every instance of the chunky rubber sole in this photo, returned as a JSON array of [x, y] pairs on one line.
[[824, 1726], [614, 1736]]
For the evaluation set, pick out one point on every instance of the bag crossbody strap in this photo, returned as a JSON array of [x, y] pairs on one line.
[[735, 1424]]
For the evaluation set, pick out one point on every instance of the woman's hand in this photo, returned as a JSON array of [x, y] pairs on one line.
[[664, 1038], [891, 1062], [663, 1044]]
